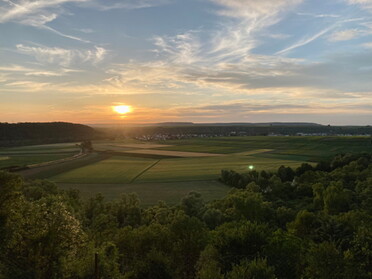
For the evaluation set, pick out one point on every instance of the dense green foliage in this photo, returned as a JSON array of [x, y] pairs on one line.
[[312, 222], [226, 129], [39, 133]]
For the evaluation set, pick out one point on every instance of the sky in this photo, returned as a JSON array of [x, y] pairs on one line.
[[186, 60]]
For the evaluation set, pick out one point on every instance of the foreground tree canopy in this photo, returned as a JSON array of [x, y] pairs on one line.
[[313, 222]]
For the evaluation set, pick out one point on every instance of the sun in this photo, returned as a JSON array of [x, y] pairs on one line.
[[122, 109]]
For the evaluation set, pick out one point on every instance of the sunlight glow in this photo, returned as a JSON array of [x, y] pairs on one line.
[[122, 109]]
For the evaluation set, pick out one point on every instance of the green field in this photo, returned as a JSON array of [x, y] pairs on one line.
[[310, 148], [187, 169], [30, 159], [112, 171], [117, 169], [36, 154]]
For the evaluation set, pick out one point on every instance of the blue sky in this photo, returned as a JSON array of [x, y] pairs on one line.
[[186, 60]]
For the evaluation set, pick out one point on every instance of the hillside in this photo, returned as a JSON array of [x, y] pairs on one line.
[[37, 133]]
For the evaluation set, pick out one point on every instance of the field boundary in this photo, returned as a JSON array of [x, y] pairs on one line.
[[47, 171], [145, 170], [50, 163]]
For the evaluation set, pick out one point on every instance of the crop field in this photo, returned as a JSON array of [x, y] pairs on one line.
[[175, 167], [30, 159], [187, 169], [117, 169], [170, 153], [309, 148], [36, 154]]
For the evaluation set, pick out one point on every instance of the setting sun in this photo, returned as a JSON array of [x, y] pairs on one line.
[[122, 109]]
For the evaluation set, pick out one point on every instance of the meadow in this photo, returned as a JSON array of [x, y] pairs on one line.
[[35, 154], [170, 169]]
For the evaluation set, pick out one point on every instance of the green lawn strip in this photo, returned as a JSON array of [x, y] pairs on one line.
[[151, 193], [116, 169]]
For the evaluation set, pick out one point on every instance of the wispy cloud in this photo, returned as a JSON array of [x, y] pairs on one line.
[[364, 3], [107, 5], [36, 13], [254, 9], [61, 56], [319, 15], [306, 40], [29, 11], [345, 35]]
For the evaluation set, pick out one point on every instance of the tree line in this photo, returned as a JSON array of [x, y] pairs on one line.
[[237, 130], [41, 133], [312, 222]]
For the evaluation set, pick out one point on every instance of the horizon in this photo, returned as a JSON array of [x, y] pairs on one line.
[[202, 61], [185, 123]]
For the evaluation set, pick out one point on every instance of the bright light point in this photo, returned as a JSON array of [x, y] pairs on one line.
[[122, 109], [251, 167]]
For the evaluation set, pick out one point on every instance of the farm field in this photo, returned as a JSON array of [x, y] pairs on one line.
[[187, 169], [36, 154], [309, 148], [168, 170], [117, 169]]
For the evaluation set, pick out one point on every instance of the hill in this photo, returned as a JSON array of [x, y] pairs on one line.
[[38, 133]]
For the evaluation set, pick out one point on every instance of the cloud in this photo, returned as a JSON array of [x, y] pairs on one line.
[[319, 15], [237, 37], [367, 45], [254, 9], [306, 40], [344, 35], [28, 85], [15, 68], [107, 5], [364, 3], [36, 13], [61, 56], [28, 11], [183, 48]]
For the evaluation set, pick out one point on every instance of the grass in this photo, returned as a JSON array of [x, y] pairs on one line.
[[189, 169], [117, 169], [151, 193], [46, 172], [311, 148], [36, 154], [50, 148], [29, 159], [162, 178]]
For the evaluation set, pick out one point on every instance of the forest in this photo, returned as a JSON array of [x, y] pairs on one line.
[[311, 222], [14, 134], [227, 129]]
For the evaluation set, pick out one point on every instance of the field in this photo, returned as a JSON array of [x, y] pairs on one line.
[[36, 154], [169, 170], [308, 148]]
